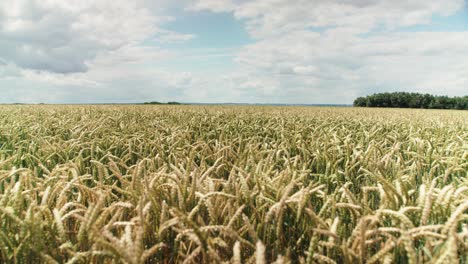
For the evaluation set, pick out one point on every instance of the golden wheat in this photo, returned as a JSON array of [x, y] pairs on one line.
[[221, 184]]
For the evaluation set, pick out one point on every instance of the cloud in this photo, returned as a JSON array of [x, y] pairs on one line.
[[64, 36], [101, 85], [265, 18], [301, 51], [58, 79], [333, 51], [166, 36], [130, 54], [213, 5], [425, 61], [8, 71]]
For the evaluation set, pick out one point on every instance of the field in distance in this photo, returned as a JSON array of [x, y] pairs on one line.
[[233, 184]]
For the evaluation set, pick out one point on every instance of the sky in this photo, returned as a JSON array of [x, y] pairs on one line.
[[230, 51]]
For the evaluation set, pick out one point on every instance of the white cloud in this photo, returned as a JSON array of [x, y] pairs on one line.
[[213, 5], [166, 36], [58, 78], [64, 36], [130, 54], [275, 17], [303, 51], [8, 71], [395, 61], [333, 51], [86, 51]]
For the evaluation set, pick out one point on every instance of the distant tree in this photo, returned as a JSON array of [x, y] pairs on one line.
[[412, 100], [461, 102], [158, 103], [360, 101]]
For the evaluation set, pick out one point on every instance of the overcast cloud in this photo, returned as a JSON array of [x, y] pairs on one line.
[[299, 51]]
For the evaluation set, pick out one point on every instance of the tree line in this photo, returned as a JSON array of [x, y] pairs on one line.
[[412, 100], [158, 103]]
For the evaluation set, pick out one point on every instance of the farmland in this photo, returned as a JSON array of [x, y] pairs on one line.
[[234, 184]]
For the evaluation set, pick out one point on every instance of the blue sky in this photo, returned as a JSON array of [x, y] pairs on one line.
[[457, 22], [217, 37], [215, 51]]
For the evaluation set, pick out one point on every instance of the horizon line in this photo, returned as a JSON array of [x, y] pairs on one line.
[[185, 103]]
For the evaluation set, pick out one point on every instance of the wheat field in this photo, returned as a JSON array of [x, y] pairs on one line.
[[232, 184]]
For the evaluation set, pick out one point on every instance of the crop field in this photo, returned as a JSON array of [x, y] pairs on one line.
[[232, 184]]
